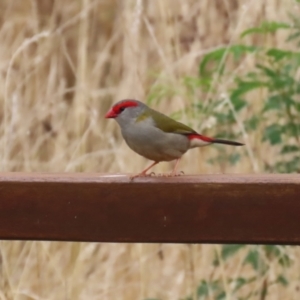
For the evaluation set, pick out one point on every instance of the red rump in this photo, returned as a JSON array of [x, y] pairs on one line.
[[124, 104], [200, 137]]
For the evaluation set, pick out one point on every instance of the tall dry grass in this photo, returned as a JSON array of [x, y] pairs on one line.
[[63, 63]]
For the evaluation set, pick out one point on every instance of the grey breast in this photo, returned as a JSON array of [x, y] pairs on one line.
[[149, 141]]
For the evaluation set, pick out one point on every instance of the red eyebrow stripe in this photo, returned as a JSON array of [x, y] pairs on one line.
[[128, 103], [200, 137]]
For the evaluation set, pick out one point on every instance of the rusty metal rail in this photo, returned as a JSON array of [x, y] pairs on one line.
[[248, 209]]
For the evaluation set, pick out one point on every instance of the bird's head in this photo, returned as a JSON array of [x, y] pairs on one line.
[[126, 111]]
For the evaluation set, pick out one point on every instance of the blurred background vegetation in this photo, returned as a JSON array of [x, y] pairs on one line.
[[227, 68]]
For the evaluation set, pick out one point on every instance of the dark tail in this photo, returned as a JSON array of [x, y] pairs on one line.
[[218, 141]]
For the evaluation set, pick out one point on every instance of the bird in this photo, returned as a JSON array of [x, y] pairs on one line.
[[156, 136]]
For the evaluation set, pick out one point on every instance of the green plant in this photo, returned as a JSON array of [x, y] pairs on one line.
[[259, 259], [276, 74], [274, 77], [271, 89]]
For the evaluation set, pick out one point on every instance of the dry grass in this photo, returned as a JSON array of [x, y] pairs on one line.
[[62, 64]]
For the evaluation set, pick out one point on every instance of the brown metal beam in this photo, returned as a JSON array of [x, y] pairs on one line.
[[248, 209]]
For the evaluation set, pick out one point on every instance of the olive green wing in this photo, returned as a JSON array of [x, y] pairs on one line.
[[167, 124]]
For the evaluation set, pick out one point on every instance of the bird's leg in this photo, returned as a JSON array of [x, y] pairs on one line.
[[143, 173], [173, 173]]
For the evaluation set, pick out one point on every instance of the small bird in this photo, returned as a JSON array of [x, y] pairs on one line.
[[156, 136]]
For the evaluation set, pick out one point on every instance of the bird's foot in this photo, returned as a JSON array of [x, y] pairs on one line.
[[152, 174], [142, 175], [171, 174], [179, 173]]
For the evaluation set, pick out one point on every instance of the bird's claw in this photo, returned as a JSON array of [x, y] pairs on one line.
[[142, 175], [170, 174], [152, 174]]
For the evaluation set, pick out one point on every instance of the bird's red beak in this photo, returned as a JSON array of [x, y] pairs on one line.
[[110, 114]]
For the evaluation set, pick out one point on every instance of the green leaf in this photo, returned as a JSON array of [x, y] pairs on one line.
[[239, 50], [273, 251], [266, 27], [253, 258], [238, 103], [289, 149], [292, 129], [240, 282], [278, 54], [284, 260], [229, 250], [273, 134], [216, 57], [244, 87], [297, 107], [252, 123], [225, 119], [290, 166], [273, 102], [221, 296], [203, 289], [267, 71], [195, 83], [212, 57], [282, 280], [293, 36]]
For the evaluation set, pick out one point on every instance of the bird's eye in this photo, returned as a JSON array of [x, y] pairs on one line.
[[122, 109]]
